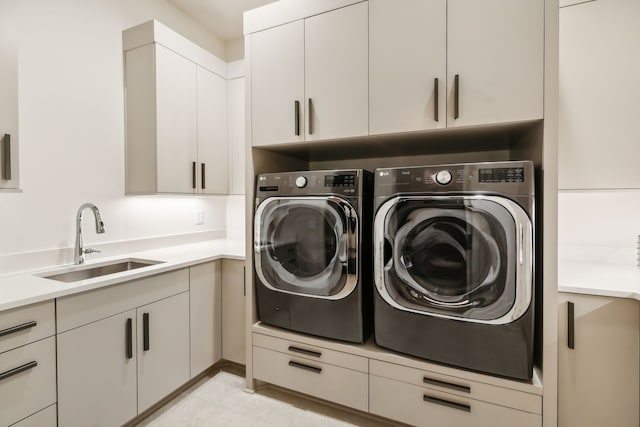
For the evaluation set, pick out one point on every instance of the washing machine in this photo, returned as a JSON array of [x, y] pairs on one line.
[[454, 264], [312, 252]]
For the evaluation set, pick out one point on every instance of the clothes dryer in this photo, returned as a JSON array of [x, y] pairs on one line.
[[312, 252], [453, 264]]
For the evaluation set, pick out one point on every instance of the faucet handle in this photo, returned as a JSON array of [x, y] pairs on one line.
[[91, 251]]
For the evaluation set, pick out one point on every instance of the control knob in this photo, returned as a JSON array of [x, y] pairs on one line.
[[443, 177], [301, 182]]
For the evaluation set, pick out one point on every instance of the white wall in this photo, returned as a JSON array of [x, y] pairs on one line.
[[72, 128]]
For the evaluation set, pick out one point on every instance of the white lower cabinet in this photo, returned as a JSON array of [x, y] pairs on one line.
[[308, 375], [121, 349], [205, 315], [233, 311], [598, 361], [44, 418]]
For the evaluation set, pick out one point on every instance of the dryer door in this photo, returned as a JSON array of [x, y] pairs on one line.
[[307, 246], [462, 257]]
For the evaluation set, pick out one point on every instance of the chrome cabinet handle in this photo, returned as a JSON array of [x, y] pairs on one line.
[[17, 328], [6, 152], [15, 371], [447, 403]]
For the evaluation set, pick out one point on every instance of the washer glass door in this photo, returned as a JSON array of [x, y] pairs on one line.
[[457, 256], [307, 245]]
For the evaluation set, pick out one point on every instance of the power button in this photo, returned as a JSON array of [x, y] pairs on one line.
[[301, 182], [443, 177]]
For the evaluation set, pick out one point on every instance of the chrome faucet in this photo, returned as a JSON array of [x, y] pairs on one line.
[[80, 251]]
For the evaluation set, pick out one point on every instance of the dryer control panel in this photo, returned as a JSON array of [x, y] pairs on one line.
[[344, 182]]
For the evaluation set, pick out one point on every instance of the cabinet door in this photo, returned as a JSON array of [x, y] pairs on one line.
[[236, 135], [277, 84], [233, 311], [175, 121], [96, 373], [9, 94], [336, 73], [213, 169], [205, 316], [407, 53], [598, 379], [163, 348], [496, 49]]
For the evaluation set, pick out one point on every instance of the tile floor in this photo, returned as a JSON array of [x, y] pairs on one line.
[[220, 400]]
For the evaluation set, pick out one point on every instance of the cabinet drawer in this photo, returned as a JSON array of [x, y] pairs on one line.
[[27, 380], [340, 385], [309, 352], [23, 325], [458, 386], [80, 309], [422, 406], [44, 418]]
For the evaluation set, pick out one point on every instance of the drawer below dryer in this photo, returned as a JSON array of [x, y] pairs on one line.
[[27, 380], [425, 407], [329, 382]]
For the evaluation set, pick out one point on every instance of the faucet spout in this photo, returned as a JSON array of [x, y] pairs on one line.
[[80, 251]]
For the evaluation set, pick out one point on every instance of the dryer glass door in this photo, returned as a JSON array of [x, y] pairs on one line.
[[453, 256], [307, 245]]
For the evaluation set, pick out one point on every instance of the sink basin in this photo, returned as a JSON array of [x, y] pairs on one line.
[[84, 272]]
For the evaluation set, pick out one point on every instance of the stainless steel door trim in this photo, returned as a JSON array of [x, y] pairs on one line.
[[524, 269], [352, 239]]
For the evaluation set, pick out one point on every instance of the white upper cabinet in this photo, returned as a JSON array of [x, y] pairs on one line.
[[9, 163], [487, 58], [176, 115], [277, 84], [309, 78], [236, 135], [407, 65], [496, 48], [336, 73]]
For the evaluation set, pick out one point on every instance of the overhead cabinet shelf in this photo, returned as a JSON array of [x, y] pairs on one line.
[[374, 68], [176, 115]]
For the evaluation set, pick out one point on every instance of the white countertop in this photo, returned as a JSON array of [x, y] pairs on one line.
[[599, 278], [27, 287]]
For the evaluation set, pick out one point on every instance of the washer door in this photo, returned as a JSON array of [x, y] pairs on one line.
[[462, 257], [307, 246]]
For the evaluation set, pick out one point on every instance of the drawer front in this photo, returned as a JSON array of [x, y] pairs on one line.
[[24, 325], [44, 418], [426, 407], [27, 380], [77, 310], [340, 385], [459, 386], [318, 354]]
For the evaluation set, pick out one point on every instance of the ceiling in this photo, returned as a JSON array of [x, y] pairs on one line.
[[221, 17]]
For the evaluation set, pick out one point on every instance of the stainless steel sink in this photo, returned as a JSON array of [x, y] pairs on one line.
[[84, 272]]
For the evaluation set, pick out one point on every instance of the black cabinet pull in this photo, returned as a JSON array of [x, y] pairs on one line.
[[435, 99], [296, 115], [129, 338], [244, 281], [193, 175], [145, 331], [305, 351], [17, 328], [571, 330], [456, 103], [6, 153], [15, 371], [447, 403], [202, 176], [446, 384], [310, 113], [305, 367]]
